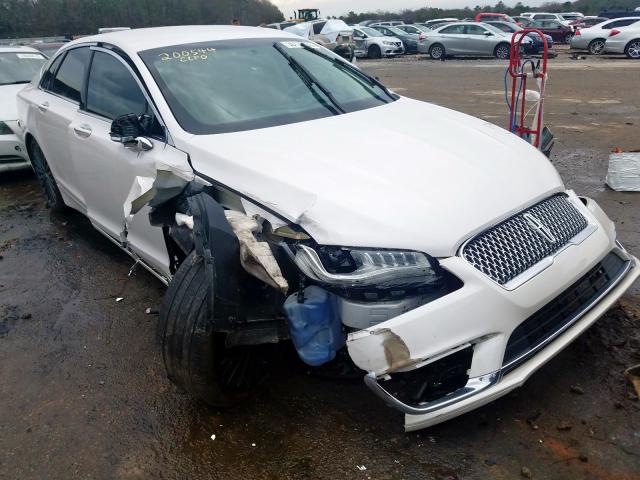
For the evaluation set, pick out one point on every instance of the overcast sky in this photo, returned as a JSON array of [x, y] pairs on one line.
[[339, 7]]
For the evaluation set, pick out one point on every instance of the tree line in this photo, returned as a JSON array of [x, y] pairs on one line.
[[33, 18], [588, 7]]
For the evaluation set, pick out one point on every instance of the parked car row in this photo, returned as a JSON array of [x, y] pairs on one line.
[[595, 38]]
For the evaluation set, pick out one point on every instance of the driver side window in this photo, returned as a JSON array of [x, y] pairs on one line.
[[112, 91], [474, 30]]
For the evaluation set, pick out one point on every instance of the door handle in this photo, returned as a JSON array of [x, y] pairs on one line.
[[43, 107], [83, 131]]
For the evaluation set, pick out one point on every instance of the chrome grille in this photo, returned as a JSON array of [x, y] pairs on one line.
[[510, 248]]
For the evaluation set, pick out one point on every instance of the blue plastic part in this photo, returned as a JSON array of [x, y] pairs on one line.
[[315, 326]]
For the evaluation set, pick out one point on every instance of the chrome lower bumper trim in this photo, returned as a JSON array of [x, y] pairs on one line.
[[473, 386], [476, 385]]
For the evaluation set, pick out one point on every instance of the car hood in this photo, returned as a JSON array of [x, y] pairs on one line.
[[407, 175], [8, 101]]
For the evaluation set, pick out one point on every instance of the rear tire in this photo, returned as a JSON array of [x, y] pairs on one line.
[[437, 51], [41, 168], [195, 357], [596, 47], [502, 51], [374, 52], [632, 50], [568, 37]]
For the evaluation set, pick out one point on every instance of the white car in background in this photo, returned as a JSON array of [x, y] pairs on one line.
[[448, 262], [624, 40], [370, 43], [18, 65], [594, 38]]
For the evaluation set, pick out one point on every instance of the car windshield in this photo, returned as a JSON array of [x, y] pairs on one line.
[[19, 67], [372, 32], [237, 85]]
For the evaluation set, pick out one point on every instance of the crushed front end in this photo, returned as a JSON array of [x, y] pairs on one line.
[[439, 337]]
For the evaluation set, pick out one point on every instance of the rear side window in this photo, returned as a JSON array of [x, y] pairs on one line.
[[47, 77], [112, 91], [622, 23], [68, 80]]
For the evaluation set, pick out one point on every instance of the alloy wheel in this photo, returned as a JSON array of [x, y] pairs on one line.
[[633, 50], [502, 52], [596, 47], [436, 52]]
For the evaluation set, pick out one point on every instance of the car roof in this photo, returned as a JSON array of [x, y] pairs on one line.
[[18, 49], [137, 40]]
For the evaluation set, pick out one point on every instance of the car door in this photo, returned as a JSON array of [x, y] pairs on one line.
[[107, 168], [478, 41], [454, 39], [53, 107], [360, 40]]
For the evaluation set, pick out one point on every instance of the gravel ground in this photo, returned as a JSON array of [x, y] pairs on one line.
[[84, 395]]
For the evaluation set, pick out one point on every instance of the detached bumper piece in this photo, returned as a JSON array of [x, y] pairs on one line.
[[444, 382]]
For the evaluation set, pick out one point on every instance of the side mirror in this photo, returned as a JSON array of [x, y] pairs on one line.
[[488, 34], [130, 129]]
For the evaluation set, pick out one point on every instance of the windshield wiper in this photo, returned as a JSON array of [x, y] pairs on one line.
[[308, 78], [349, 67]]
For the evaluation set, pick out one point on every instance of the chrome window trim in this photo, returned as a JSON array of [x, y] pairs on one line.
[[62, 51]]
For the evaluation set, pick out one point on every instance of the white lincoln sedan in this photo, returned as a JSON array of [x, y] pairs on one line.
[[283, 194]]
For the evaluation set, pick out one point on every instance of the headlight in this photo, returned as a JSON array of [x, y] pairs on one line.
[[4, 129], [386, 42], [350, 267]]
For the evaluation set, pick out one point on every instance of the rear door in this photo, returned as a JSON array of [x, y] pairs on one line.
[[107, 168], [477, 41], [53, 107], [454, 39]]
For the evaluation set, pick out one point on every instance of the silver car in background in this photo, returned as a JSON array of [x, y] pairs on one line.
[[594, 38], [370, 43], [467, 39]]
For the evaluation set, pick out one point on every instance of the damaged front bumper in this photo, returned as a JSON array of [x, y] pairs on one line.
[[479, 342]]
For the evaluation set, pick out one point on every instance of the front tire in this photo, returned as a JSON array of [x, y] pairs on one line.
[[632, 50], [41, 168], [375, 52], [195, 357], [502, 51], [436, 51], [596, 47], [568, 37]]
